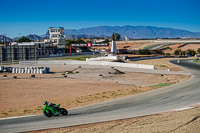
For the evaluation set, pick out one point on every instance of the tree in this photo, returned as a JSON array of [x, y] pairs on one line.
[[167, 54], [191, 52], [24, 39], [80, 41], [177, 52], [116, 36], [183, 53], [198, 50], [88, 41], [68, 42]]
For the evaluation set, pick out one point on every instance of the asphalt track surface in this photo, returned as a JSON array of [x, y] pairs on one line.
[[161, 100]]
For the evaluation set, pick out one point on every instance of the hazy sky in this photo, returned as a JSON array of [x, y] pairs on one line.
[[23, 17]]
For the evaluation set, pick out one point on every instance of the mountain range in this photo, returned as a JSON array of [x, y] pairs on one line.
[[31, 37], [134, 32], [4, 38]]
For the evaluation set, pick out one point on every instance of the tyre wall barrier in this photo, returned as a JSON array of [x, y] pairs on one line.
[[35, 70]]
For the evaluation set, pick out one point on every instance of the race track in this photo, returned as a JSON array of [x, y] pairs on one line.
[[164, 99]]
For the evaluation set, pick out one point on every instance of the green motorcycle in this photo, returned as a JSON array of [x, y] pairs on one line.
[[51, 109]]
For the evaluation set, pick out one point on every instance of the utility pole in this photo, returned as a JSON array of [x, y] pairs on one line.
[[1, 56], [4, 39]]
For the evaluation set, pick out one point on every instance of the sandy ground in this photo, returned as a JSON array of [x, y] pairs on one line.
[[135, 45], [191, 46], [172, 48], [81, 87], [187, 121]]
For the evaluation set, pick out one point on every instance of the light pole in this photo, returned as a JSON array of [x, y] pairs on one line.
[[1, 56], [4, 39]]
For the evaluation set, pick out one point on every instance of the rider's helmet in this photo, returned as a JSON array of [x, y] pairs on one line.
[[45, 102]]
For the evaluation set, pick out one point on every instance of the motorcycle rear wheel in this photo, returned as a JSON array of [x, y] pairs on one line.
[[48, 113]]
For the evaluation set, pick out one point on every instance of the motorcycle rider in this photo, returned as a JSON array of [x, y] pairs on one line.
[[51, 104], [51, 109]]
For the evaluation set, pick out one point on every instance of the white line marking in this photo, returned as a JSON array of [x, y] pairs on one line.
[[182, 108]]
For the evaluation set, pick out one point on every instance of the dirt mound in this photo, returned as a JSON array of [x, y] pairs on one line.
[[73, 71], [116, 71]]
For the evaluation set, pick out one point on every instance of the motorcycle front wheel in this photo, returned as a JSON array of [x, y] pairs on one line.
[[64, 111]]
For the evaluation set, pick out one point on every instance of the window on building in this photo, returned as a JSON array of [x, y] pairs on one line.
[[55, 35], [62, 36]]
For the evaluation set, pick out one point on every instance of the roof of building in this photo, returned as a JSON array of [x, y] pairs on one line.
[[58, 27]]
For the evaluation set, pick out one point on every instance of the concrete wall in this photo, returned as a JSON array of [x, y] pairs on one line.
[[103, 63]]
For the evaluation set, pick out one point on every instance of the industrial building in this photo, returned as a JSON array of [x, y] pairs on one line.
[[28, 51]]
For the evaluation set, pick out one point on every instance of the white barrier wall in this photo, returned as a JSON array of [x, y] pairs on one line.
[[103, 58], [103, 63]]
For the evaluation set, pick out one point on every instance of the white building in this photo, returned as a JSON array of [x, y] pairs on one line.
[[57, 36], [126, 38]]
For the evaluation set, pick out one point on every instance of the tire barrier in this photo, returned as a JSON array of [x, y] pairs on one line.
[[30, 70]]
